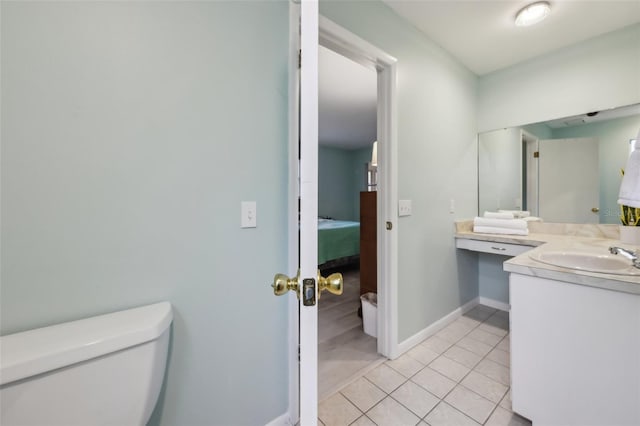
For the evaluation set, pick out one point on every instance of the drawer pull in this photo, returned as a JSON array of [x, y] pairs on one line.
[[498, 248]]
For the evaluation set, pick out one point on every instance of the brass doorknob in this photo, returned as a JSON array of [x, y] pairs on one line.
[[282, 284], [333, 283], [595, 210]]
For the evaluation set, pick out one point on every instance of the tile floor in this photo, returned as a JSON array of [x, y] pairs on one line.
[[459, 376], [345, 352]]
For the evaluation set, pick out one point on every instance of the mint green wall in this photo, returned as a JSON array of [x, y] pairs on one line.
[[493, 280], [131, 132], [539, 130], [593, 75], [437, 161], [613, 152], [338, 183]]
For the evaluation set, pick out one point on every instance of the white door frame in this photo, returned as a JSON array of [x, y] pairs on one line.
[[338, 39], [348, 44]]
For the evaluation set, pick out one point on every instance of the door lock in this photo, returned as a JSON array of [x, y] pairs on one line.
[[333, 284]]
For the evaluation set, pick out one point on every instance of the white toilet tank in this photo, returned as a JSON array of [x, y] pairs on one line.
[[104, 370]]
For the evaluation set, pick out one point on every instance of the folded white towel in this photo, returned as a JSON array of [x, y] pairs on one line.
[[500, 223], [630, 187], [518, 214], [495, 230], [532, 219], [497, 215]]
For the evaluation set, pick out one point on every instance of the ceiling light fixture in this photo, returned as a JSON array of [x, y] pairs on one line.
[[533, 13]]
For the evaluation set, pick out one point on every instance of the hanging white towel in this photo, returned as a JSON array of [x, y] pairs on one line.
[[496, 230], [500, 223], [630, 187]]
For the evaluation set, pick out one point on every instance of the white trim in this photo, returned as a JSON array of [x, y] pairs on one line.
[[495, 304], [283, 420], [348, 44], [292, 208], [436, 326]]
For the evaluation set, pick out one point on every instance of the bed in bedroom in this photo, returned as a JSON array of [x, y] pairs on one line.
[[338, 242]]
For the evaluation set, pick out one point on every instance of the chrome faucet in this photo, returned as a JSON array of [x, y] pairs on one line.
[[629, 254]]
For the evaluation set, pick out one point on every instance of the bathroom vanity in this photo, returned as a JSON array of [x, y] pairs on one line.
[[575, 340], [575, 334]]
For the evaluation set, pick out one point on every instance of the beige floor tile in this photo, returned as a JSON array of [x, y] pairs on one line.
[[500, 356], [502, 417], [390, 412], [436, 344], [485, 386], [474, 346], [386, 378], [449, 368], [406, 365], [446, 415], [423, 354], [499, 319], [473, 323], [363, 421], [463, 356], [434, 382], [453, 332], [363, 394], [506, 401], [415, 398], [505, 344], [337, 410], [497, 330], [485, 337], [494, 371], [480, 313], [470, 403]]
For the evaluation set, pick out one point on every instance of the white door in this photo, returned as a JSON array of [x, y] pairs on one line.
[[308, 283], [569, 185], [308, 211]]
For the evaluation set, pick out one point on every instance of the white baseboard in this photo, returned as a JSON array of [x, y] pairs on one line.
[[436, 326], [495, 304], [283, 420]]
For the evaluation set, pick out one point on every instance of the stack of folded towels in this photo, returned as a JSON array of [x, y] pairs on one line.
[[501, 222]]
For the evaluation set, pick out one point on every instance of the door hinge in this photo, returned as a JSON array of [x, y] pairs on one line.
[[299, 58], [536, 154], [298, 353]]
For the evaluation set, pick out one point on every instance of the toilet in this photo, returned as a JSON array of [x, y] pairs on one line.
[[104, 370]]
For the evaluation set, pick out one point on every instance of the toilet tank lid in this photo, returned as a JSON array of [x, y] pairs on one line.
[[32, 352]]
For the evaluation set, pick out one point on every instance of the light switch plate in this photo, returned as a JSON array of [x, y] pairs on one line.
[[404, 207], [248, 214]]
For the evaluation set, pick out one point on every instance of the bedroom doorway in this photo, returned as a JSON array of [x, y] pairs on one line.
[[347, 210]]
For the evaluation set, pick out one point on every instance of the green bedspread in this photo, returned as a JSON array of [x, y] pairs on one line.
[[336, 239]]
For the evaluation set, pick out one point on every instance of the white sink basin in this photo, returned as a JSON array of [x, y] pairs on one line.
[[593, 262]]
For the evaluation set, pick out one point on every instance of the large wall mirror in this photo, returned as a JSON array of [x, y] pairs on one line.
[[563, 170]]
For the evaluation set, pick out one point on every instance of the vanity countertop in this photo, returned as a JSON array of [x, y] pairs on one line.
[[561, 237]]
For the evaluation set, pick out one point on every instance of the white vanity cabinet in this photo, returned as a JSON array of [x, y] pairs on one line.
[[575, 353]]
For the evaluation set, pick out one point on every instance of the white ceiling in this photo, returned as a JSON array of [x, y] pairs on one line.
[[480, 33], [347, 93]]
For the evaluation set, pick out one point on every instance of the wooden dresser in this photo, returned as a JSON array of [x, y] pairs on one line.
[[368, 246]]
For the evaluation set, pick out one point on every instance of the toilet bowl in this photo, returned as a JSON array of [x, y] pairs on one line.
[[104, 370]]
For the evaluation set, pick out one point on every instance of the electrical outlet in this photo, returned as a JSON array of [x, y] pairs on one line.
[[248, 214], [404, 207]]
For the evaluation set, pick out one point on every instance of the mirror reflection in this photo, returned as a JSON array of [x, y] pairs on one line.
[[563, 170]]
